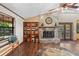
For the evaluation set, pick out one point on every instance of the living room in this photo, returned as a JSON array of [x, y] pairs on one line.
[[27, 29]]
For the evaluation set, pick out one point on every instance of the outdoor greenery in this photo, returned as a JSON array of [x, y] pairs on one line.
[[4, 24], [5, 28]]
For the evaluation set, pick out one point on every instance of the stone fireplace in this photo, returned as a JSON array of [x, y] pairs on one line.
[[48, 34], [48, 28]]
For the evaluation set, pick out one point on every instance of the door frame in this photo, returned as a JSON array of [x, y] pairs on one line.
[[71, 30]]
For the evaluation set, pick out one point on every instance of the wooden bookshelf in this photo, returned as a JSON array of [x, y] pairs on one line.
[[31, 31]]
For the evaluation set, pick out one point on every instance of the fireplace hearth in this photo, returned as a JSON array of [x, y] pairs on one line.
[[48, 34]]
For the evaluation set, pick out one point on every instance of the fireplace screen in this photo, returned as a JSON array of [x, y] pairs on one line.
[[48, 34]]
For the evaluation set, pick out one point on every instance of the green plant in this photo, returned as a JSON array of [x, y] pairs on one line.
[[4, 24]]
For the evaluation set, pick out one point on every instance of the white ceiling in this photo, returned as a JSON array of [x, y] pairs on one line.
[[30, 9]]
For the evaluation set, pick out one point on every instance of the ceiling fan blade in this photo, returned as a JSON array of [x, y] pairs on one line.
[[74, 6]]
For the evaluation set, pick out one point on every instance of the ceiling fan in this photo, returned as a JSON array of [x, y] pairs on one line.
[[67, 5], [64, 5], [70, 5]]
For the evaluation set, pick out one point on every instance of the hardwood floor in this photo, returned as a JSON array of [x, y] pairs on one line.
[[25, 49], [31, 49]]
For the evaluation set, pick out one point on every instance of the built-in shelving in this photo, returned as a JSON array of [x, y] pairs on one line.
[[31, 31]]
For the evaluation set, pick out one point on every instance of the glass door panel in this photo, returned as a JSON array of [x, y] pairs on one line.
[[61, 31], [68, 31]]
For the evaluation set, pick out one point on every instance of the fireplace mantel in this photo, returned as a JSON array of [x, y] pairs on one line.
[[47, 27]]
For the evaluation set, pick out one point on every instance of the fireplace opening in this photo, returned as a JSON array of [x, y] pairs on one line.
[[48, 34]]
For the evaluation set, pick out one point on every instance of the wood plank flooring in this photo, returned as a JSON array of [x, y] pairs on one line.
[[25, 49], [31, 49]]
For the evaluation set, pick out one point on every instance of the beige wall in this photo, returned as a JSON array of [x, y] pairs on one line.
[[32, 19]]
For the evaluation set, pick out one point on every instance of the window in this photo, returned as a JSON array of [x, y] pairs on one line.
[[77, 27], [6, 25]]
